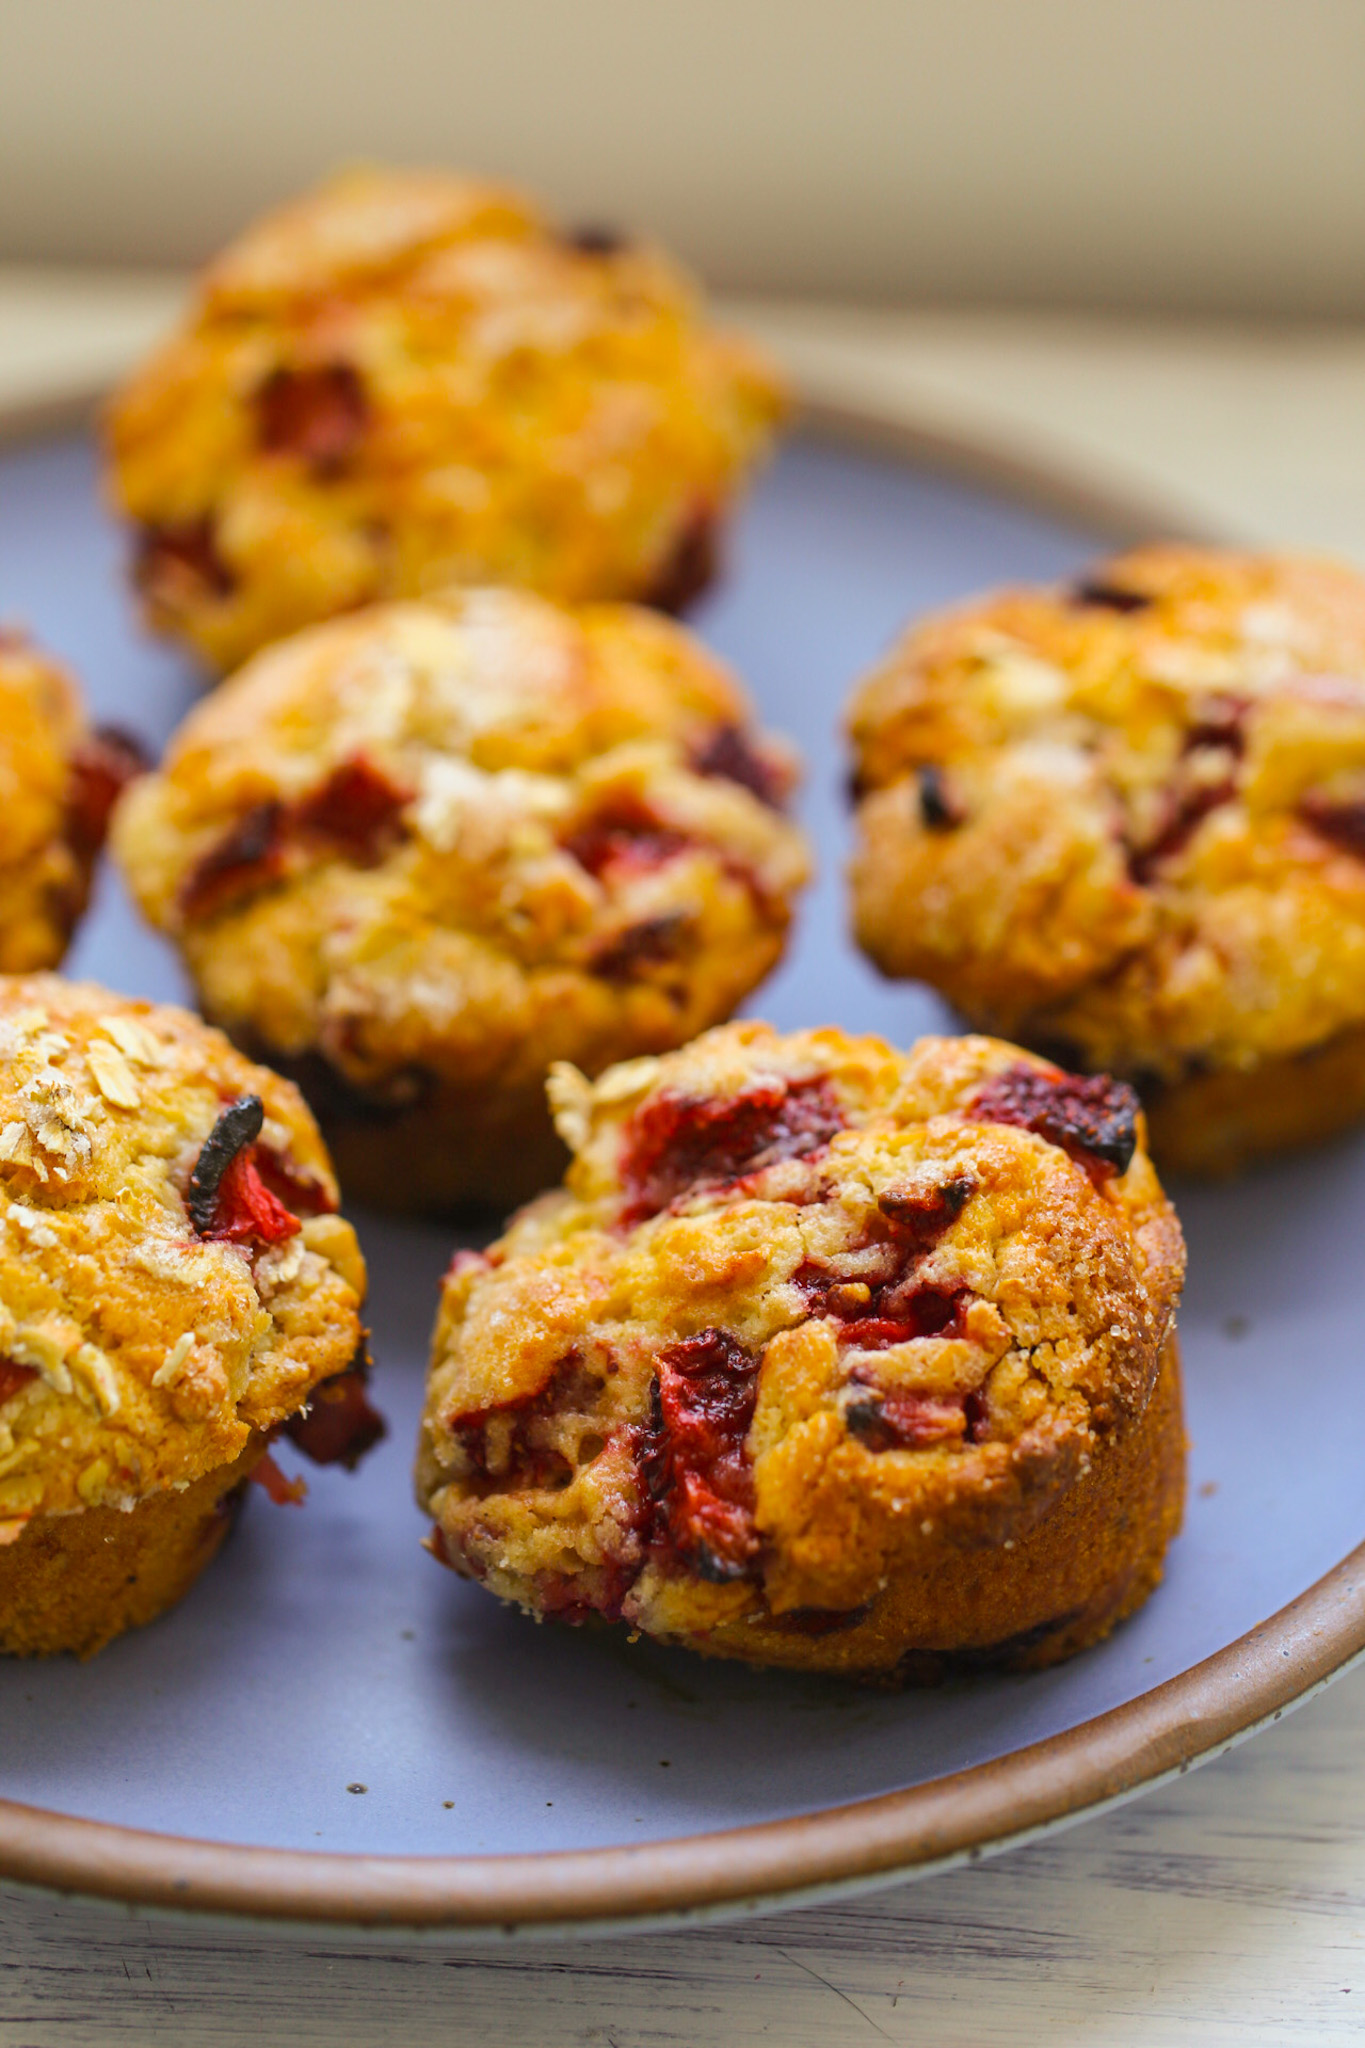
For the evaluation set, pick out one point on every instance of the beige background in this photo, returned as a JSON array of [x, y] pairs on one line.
[[1189, 154]]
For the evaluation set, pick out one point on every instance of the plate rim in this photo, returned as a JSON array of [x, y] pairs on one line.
[[1183, 1722], [858, 1845]]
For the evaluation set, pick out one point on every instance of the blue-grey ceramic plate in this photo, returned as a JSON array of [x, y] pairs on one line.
[[333, 1729]]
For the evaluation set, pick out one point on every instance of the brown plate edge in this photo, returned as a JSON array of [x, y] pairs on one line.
[[897, 1835], [1044, 477]]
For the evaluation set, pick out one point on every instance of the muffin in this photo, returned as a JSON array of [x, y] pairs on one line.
[[58, 783], [825, 1356], [1124, 822], [176, 1288], [415, 856], [407, 379]]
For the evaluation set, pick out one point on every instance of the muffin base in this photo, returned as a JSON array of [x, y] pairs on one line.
[[1214, 1124], [447, 1151], [1092, 1560], [74, 1582]]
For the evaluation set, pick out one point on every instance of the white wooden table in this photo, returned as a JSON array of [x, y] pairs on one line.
[[1227, 1908]]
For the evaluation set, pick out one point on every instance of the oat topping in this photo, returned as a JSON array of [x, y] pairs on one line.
[[134, 1354]]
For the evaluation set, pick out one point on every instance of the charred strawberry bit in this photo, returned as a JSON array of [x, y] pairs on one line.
[[675, 1143], [339, 1424], [624, 838], [1342, 824], [1220, 722], [690, 564], [13, 1377], [523, 1458], [237, 1126], [180, 565], [1205, 779], [978, 1417], [593, 238], [319, 414], [731, 756], [356, 811], [1186, 811], [531, 1466], [900, 1314], [1090, 1116], [285, 1492], [938, 812], [652, 942], [1095, 592], [102, 766], [820, 1621], [249, 858], [921, 1215], [906, 1421], [879, 1300], [227, 1199], [692, 1457]]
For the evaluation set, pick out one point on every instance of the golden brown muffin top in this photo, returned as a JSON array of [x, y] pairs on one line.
[[362, 227], [1128, 812], [406, 378], [805, 1305], [470, 832], [151, 1320]]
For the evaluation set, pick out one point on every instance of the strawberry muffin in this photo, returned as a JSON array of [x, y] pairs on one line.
[[825, 1356], [407, 379], [175, 1287], [58, 783], [415, 856], [1124, 822]]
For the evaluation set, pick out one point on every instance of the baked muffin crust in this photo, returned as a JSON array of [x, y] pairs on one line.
[[825, 1355], [139, 1352], [1122, 821], [406, 379], [58, 783], [430, 849]]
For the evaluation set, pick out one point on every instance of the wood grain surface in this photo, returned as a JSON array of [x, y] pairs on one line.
[[1227, 1908]]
